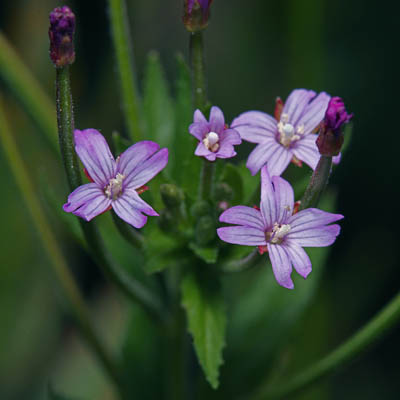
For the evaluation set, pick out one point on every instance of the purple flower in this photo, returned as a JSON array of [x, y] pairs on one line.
[[115, 182], [330, 139], [61, 34], [216, 139], [288, 136], [275, 227]]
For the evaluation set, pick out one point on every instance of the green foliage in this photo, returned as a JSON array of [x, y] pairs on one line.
[[208, 254], [53, 395], [231, 176], [158, 106], [205, 308]]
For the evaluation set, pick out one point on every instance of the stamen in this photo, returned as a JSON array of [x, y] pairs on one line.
[[211, 141], [114, 188], [278, 233]]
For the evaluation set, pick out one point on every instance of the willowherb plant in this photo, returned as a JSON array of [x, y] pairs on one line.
[[182, 172]]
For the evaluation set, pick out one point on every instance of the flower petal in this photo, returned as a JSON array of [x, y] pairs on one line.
[[87, 201], [261, 154], [296, 103], [133, 157], [243, 235], [242, 215], [300, 260], [311, 218], [279, 160], [217, 120], [315, 237], [284, 199], [268, 201], [128, 214], [95, 155], [147, 170], [254, 126], [314, 112], [199, 117], [281, 265], [202, 151], [336, 159], [306, 150], [199, 130], [135, 201], [228, 139]]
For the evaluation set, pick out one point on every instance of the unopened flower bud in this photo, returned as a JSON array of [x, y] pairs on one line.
[[171, 195], [196, 14], [223, 192], [330, 138], [205, 230], [200, 208], [61, 34]]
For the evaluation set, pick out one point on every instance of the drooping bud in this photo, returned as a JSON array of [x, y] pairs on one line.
[[196, 14], [61, 34], [330, 138], [171, 195]]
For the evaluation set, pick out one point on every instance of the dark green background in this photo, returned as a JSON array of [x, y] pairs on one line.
[[255, 50]]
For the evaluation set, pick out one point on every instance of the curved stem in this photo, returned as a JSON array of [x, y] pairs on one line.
[[318, 182], [28, 92], [127, 284], [244, 263], [57, 261], [371, 332], [122, 47]]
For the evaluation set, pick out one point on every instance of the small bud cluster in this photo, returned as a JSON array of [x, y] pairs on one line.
[[61, 34], [196, 14]]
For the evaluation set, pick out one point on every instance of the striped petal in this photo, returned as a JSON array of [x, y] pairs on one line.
[[268, 202], [281, 265], [262, 154], [243, 235], [311, 218], [242, 215], [284, 199], [299, 258]]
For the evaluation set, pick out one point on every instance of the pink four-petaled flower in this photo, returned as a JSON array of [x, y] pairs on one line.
[[216, 140], [275, 227], [115, 182]]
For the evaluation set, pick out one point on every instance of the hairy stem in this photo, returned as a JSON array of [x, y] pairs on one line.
[[57, 261], [122, 47]]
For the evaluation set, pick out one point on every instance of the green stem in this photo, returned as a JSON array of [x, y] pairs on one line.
[[132, 288], [127, 232], [28, 92], [244, 263], [57, 261], [206, 180], [122, 47], [317, 183], [198, 70], [370, 333]]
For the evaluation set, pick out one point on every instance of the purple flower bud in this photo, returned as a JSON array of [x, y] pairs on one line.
[[196, 14], [330, 139], [61, 34]]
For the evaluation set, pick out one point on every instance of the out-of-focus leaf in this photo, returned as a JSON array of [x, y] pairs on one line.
[[158, 106], [53, 395], [233, 178], [186, 166], [250, 183], [204, 305], [208, 254], [119, 143]]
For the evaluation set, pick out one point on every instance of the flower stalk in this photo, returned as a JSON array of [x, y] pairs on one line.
[[122, 46]]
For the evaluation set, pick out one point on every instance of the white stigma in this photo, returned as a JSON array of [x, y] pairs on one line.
[[287, 131], [211, 141], [278, 233], [114, 187]]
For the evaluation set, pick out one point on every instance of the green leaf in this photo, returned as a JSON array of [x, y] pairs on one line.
[[186, 166], [53, 395], [158, 106], [208, 254], [204, 305]]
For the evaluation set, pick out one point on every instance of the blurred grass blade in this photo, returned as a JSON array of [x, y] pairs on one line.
[[158, 106], [22, 84]]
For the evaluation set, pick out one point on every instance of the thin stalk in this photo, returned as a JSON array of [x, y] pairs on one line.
[[129, 234], [57, 261], [369, 334], [244, 263], [122, 46], [318, 182], [22, 84], [127, 284]]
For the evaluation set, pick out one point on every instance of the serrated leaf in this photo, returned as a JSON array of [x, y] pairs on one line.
[[158, 106], [233, 178], [208, 254], [206, 316], [186, 168]]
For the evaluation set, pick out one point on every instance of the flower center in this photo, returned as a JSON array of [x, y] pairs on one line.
[[279, 231], [114, 188], [211, 141], [287, 132]]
